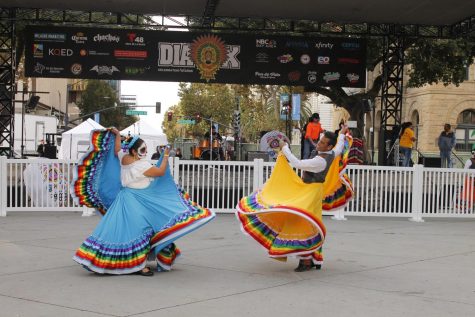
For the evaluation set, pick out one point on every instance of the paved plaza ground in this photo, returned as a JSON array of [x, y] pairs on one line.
[[373, 267]]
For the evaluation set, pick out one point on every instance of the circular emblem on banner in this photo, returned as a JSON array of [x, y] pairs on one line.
[[76, 69], [208, 52], [82, 52], [305, 59]]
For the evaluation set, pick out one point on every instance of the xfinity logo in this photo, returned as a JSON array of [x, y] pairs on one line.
[[60, 52], [320, 45], [106, 38]]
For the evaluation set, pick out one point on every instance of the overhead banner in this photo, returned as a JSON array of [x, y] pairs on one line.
[[97, 53]]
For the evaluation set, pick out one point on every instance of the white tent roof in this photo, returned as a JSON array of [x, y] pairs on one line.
[[85, 127], [148, 133], [141, 128], [75, 142]]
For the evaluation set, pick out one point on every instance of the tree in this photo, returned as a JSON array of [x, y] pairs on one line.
[[172, 128], [259, 106], [99, 95], [213, 102]]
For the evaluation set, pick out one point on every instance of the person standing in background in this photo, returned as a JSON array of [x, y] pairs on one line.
[[41, 148], [157, 154], [446, 143], [302, 136], [406, 142], [178, 153], [312, 135]]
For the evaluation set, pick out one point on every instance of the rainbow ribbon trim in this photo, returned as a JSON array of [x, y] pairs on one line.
[[85, 181], [114, 258], [249, 209]]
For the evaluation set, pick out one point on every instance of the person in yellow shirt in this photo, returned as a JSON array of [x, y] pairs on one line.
[[406, 142]]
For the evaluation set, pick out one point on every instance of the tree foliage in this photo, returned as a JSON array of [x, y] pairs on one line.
[[100, 95], [434, 61], [259, 107]]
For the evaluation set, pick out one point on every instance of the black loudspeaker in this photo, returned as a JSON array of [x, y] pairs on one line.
[[251, 155], [50, 151], [430, 161], [32, 102]]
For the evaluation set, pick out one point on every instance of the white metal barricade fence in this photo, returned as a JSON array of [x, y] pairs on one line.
[[412, 192]]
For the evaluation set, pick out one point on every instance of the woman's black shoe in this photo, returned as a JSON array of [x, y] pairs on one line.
[[303, 266], [148, 272]]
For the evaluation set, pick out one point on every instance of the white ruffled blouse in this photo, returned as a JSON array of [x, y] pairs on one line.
[[132, 175]]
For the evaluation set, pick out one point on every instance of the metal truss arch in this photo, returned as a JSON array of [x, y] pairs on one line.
[[7, 80]]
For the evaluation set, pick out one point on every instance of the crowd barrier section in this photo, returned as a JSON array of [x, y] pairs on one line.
[[414, 192]]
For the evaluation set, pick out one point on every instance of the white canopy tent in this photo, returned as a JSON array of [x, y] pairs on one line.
[[75, 142], [152, 136]]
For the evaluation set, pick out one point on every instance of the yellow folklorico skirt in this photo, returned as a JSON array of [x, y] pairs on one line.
[[285, 215]]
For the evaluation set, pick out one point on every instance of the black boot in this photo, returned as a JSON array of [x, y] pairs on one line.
[[304, 265]]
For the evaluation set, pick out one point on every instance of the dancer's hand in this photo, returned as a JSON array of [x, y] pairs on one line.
[[282, 143], [115, 131], [344, 129], [166, 151]]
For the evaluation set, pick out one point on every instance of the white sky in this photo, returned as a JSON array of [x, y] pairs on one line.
[[150, 92]]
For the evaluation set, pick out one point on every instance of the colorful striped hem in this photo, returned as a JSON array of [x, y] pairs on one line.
[[182, 224], [112, 258], [268, 238], [167, 256], [83, 190]]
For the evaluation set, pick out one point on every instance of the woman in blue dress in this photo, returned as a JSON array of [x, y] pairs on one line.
[[144, 210]]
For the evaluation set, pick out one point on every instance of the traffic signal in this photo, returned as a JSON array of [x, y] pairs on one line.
[[158, 107], [237, 121], [32, 102], [170, 115], [198, 118]]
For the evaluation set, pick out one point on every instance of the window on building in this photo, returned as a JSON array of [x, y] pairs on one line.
[[467, 73], [465, 131]]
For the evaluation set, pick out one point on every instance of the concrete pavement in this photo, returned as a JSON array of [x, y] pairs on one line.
[[373, 267]]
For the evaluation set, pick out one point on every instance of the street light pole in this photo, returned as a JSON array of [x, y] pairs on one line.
[[66, 115]]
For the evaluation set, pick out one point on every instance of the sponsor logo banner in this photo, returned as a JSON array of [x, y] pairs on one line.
[[99, 53]]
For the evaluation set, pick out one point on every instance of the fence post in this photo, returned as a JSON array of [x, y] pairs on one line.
[[3, 186], [417, 191], [339, 214], [87, 212], [258, 179], [175, 165]]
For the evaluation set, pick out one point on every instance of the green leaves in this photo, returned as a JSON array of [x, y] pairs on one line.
[[435, 61], [100, 95]]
